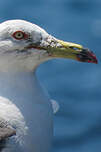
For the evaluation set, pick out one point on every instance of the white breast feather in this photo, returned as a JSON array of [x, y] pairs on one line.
[[11, 116]]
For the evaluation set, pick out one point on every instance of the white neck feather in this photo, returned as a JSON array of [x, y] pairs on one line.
[[23, 89], [15, 63]]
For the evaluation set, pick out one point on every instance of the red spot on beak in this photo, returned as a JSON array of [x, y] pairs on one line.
[[93, 58], [87, 56]]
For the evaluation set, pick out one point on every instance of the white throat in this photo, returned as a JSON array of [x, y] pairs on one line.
[[22, 61], [22, 83]]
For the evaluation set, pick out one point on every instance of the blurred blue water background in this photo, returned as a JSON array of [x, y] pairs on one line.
[[76, 86]]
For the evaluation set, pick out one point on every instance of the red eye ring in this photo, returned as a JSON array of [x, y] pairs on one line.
[[19, 35]]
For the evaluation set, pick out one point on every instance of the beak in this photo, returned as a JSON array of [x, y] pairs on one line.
[[62, 49]]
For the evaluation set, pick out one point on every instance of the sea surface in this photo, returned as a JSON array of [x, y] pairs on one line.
[[75, 86]]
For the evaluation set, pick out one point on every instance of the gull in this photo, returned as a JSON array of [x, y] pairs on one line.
[[26, 111]]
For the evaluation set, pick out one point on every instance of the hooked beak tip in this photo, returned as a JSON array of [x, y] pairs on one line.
[[93, 58], [87, 56]]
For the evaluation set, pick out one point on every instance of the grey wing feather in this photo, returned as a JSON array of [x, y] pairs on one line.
[[6, 132]]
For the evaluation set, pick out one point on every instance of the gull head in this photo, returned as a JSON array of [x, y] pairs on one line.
[[24, 45]]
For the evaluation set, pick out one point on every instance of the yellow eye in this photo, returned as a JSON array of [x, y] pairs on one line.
[[20, 35]]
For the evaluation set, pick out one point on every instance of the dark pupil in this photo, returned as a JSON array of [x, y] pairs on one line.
[[19, 35]]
